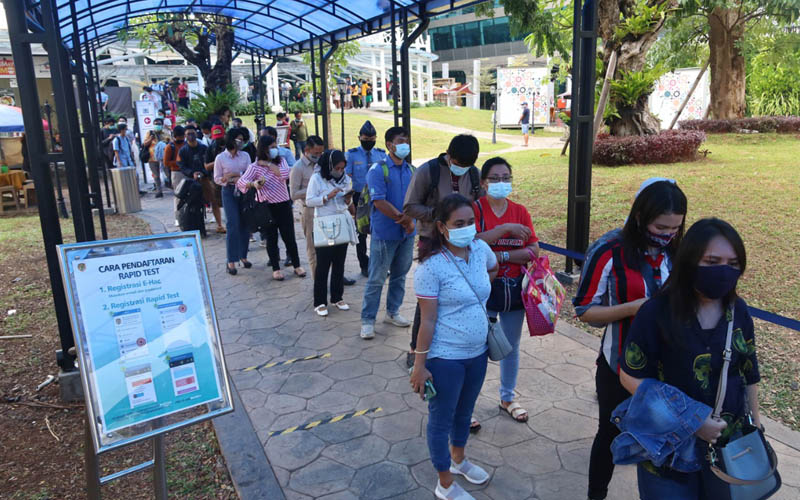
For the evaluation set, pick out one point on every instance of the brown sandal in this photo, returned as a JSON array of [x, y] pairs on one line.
[[300, 272], [278, 275]]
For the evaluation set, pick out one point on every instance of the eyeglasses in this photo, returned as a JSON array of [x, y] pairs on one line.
[[494, 179]]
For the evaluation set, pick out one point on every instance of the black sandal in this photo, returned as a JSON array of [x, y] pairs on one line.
[[246, 264]]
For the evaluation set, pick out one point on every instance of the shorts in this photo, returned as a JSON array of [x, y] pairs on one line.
[[212, 192], [525, 128]]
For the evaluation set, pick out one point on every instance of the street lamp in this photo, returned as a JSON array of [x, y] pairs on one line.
[[493, 91], [62, 207], [342, 86]]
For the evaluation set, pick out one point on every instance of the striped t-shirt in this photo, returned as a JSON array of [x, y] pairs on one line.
[[274, 188]]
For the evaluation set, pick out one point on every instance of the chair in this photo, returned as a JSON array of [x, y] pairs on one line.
[[8, 201], [29, 194]]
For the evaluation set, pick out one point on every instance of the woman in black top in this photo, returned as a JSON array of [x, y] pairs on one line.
[[679, 337]]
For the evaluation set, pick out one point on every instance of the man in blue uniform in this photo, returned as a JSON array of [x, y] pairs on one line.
[[359, 161]]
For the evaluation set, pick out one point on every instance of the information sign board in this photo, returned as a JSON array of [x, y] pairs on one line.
[[146, 335]]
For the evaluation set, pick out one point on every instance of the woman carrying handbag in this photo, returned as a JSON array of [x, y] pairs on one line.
[[697, 336], [330, 193], [507, 228], [452, 283]]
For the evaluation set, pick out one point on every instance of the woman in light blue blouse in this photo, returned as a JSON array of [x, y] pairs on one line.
[[452, 284]]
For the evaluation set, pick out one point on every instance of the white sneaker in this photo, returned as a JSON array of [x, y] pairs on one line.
[[177, 224], [342, 306], [470, 471], [454, 492], [397, 320], [367, 331], [321, 310]]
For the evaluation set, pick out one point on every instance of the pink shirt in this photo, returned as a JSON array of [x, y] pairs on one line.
[[274, 189], [226, 165]]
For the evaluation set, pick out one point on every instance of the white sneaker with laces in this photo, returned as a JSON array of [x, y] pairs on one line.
[[470, 471], [367, 331], [397, 319], [454, 492]]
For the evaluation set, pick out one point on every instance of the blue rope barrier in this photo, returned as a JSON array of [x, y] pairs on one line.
[[755, 312]]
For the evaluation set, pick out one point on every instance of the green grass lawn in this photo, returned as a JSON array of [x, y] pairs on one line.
[[426, 143], [750, 181]]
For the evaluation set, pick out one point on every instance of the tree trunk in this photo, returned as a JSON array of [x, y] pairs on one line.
[[634, 120], [220, 75], [727, 64]]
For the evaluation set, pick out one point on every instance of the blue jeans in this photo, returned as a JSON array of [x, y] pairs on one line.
[[237, 238], [386, 255], [299, 146], [511, 323], [458, 383], [671, 484]]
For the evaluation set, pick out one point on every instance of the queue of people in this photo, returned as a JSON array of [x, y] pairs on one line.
[[665, 296]]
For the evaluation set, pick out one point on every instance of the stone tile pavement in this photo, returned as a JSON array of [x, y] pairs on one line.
[[384, 455]]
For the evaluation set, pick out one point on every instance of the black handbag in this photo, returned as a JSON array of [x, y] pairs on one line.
[[256, 215], [506, 292]]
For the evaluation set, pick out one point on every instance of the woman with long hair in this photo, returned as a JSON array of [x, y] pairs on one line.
[[272, 171], [507, 228], [678, 337], [623, 268], [228, 168], [330, 192], [452, 283]]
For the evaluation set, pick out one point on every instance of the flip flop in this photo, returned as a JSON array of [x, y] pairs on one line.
[[474, 426], [515, 411]]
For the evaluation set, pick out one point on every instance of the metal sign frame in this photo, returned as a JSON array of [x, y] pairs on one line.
[[103, 440]]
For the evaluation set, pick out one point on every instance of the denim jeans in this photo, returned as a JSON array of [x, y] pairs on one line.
[[299, 146], [458, 383], [511, 323], [661, 483], [386, 255], [237, 238]]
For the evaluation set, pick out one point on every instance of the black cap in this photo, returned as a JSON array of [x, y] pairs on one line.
[[367, 129]]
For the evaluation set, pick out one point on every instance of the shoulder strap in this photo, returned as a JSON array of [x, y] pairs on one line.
[[475, 179], [435, 172], [480, 211], [477, 297], [726, 357]]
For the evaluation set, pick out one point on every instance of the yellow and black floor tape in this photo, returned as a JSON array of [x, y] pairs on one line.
[[287, 362], [332, 420]]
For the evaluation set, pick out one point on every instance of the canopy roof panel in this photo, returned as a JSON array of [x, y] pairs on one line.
[[273, 27]]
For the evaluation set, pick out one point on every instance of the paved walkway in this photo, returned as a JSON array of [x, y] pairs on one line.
[[384, 455]]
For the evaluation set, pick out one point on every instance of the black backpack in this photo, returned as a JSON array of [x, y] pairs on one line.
[[435, 170]]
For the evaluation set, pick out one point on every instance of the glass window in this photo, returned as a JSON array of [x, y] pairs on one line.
[[441, 38], [467, 34], [495, 30]]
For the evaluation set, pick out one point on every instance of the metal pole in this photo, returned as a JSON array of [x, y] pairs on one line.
[[261, 87], [581, 126], [68, 124], [92, 58], [394, 67], [255, 87], [323, 83], [314, 88], [89, 134], [159, 468], [494, 122], [62, 207], [406, 64], [341, 105], [91, 465], [20, 41]]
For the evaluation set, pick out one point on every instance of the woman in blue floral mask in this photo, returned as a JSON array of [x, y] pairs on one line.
[[622, 270]]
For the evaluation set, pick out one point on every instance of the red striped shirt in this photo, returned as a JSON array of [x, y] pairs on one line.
[[274, 189]]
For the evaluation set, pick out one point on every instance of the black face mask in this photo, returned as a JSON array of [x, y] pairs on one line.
[[367, 145], [716, 282]]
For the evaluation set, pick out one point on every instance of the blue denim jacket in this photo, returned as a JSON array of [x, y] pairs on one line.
[[658, 424]]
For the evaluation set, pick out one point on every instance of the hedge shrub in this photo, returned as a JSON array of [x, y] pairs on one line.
[[779, 124], [670, 146]]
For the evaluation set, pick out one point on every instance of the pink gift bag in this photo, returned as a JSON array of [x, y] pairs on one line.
[[542, 297]]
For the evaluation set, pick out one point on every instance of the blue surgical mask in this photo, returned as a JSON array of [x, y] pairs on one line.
[[462, 236], [716, 282], [499, 190], [402, 150], [273, 153], [458, 171]]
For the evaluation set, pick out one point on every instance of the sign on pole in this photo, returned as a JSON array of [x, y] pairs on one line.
[[146, 334], [145, 114]]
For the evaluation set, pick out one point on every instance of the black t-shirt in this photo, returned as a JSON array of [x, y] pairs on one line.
[[526, 116], [694, 367], [192, 159], [216, 147]]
